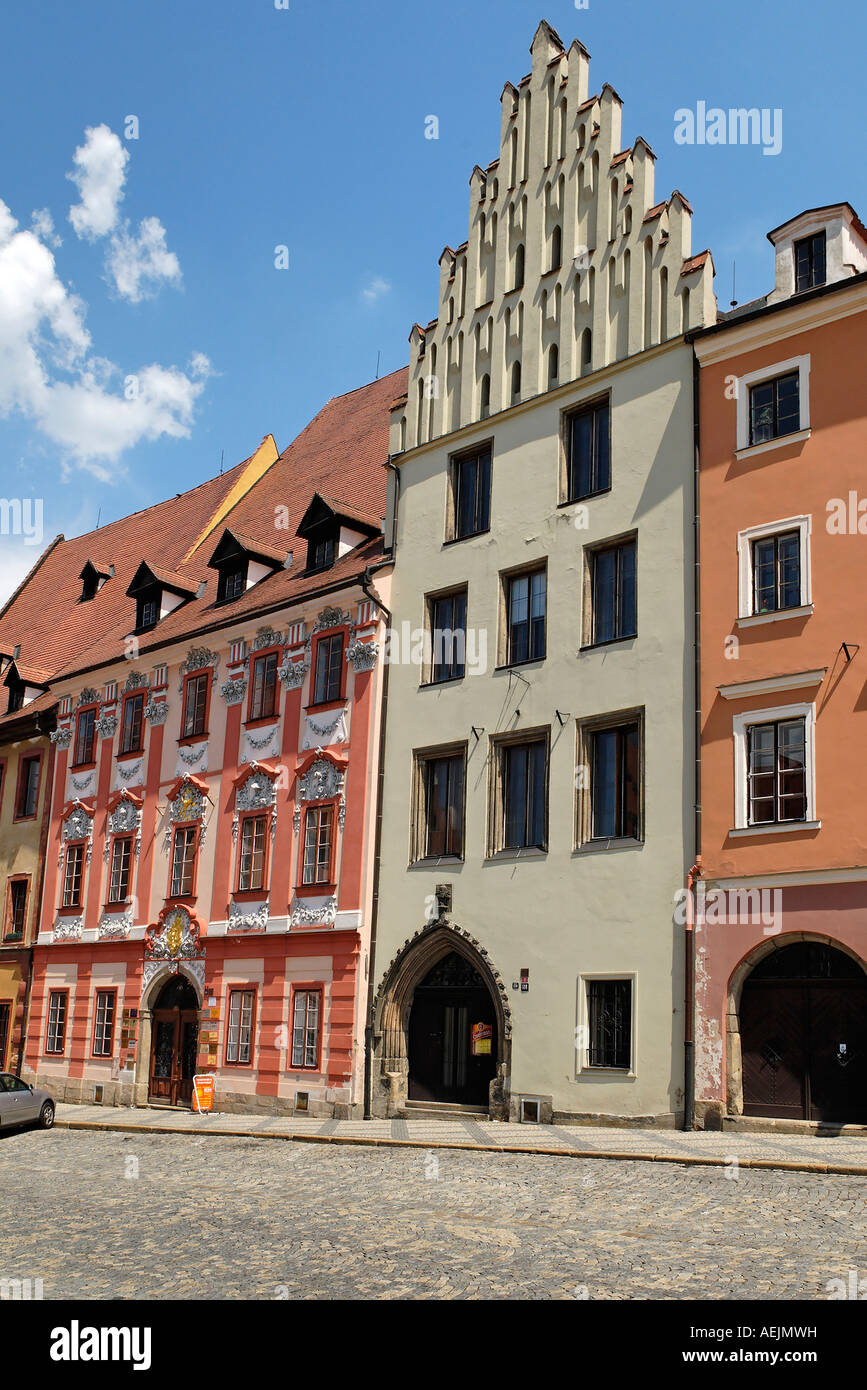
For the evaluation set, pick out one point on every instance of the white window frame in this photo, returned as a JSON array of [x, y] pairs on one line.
[[746, 616], [582, 1048], [740, 725], [743, 383]]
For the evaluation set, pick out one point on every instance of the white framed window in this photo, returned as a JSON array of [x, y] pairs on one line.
[[775, 770], [774, 570], [605, 1036], [765, 402]]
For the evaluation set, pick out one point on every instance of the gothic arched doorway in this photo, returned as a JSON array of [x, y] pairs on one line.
[[174, 1043], [803, 1027], [452, 1035]]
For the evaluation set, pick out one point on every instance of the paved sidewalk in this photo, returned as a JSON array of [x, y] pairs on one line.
[[798, 1153]]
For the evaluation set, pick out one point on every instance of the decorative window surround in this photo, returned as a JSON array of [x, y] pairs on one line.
[[583, 1070], [740, 725], [155, 711], [767, 686], [781, 613], [801, 524], [799, 364]]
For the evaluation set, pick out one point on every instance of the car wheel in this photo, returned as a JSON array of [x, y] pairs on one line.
[[46, 1115]]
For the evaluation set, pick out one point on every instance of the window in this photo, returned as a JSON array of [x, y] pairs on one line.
[[231, 584], [56, 1036], [440, 829], [118, 884], [72, 875], [777, 772], [148, 611], [239, 1032], [525, 617], [16, 913], [133, 723], [774, 408], [448, 632], [5, 1030], [810, 262], [556, 248], [16, 695], [103, 1022], [183, 861], [306, 1011], [516, 381], [27, 797], [317, 845], [263, 697], [553, 364], [89, 584], [615, 783], [485, 397], [609, 1017], [588, 451], [777, 572], [251, 871], [195, 705], [85, 737], [519, 819], [613, 613], [320, 554], [329, 669], [471, 493], [519, 267]]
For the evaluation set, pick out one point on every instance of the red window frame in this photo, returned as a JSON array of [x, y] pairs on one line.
[[115, 841], [113, 994], [91, 761], [326, 637], [305, 989], [194, 678], [135, 697], [184, 827], [23, 761], [70, 845], [264, 656], [321, 885], [230, 992], [266, 858], [56, 994], [7, 912]]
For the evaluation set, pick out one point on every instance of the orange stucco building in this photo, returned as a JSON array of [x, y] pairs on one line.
[[781, 903]]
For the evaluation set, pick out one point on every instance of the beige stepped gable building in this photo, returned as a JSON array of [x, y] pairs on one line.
[[538, 763]]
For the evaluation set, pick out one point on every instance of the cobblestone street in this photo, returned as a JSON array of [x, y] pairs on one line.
[[99, 1215]]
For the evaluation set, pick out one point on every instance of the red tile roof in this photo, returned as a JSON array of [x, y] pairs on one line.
[[341, 452]]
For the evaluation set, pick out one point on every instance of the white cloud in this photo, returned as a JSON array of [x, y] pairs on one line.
[[42, 224], [376, 289], [80, 402], [137, 265], [99, 176]]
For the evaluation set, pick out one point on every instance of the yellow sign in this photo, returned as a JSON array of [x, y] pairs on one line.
[[203, 1093], [481, 1039]]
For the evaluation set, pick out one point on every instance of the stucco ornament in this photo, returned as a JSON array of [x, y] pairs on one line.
[[78, 824], [248, 916], [88, 696], [197, 659], [189, 804], [61, 737], [106, 724], [193, 968], [156, 711], [266, 637], [190, 757], [291, 673], [130, 772], [363, 655], [310, 912], [124, 818], [114, 924], [232, 690], [135, 680], [258, 793], [331, 617], [176, 939], [68, 928], [321, 781]]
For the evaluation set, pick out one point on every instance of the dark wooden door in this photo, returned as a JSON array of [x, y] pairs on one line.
[[804, 1036], [442, 1065], [173, 1055]]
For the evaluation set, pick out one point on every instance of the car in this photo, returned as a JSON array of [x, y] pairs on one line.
[[21, 1104]]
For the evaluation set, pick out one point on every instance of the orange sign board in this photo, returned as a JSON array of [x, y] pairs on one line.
[[481, 1039], [203, 1093]]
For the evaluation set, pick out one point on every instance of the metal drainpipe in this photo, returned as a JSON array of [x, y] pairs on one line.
[[695, 871], [377, 850]]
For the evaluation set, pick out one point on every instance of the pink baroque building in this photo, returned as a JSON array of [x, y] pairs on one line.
[[209, 871]]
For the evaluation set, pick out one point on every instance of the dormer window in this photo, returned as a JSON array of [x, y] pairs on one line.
[[92, 577], [148, 613], [810, 262], [332, 530], [241, 561], [321, 554], [231, 584], [157, 593], [16, 695]]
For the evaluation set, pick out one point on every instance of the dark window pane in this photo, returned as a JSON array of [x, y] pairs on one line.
[[448, 636], [615, 784], [609, 1004], [589, 452]]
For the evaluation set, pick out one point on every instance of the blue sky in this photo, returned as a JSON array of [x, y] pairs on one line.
[[304, 127]]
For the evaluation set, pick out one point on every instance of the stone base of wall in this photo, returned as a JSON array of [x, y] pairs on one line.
[[122, 1093], [79, 1091], [667, 1120]]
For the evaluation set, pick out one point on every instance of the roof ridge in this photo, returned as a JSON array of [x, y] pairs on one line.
[[163, 501]]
